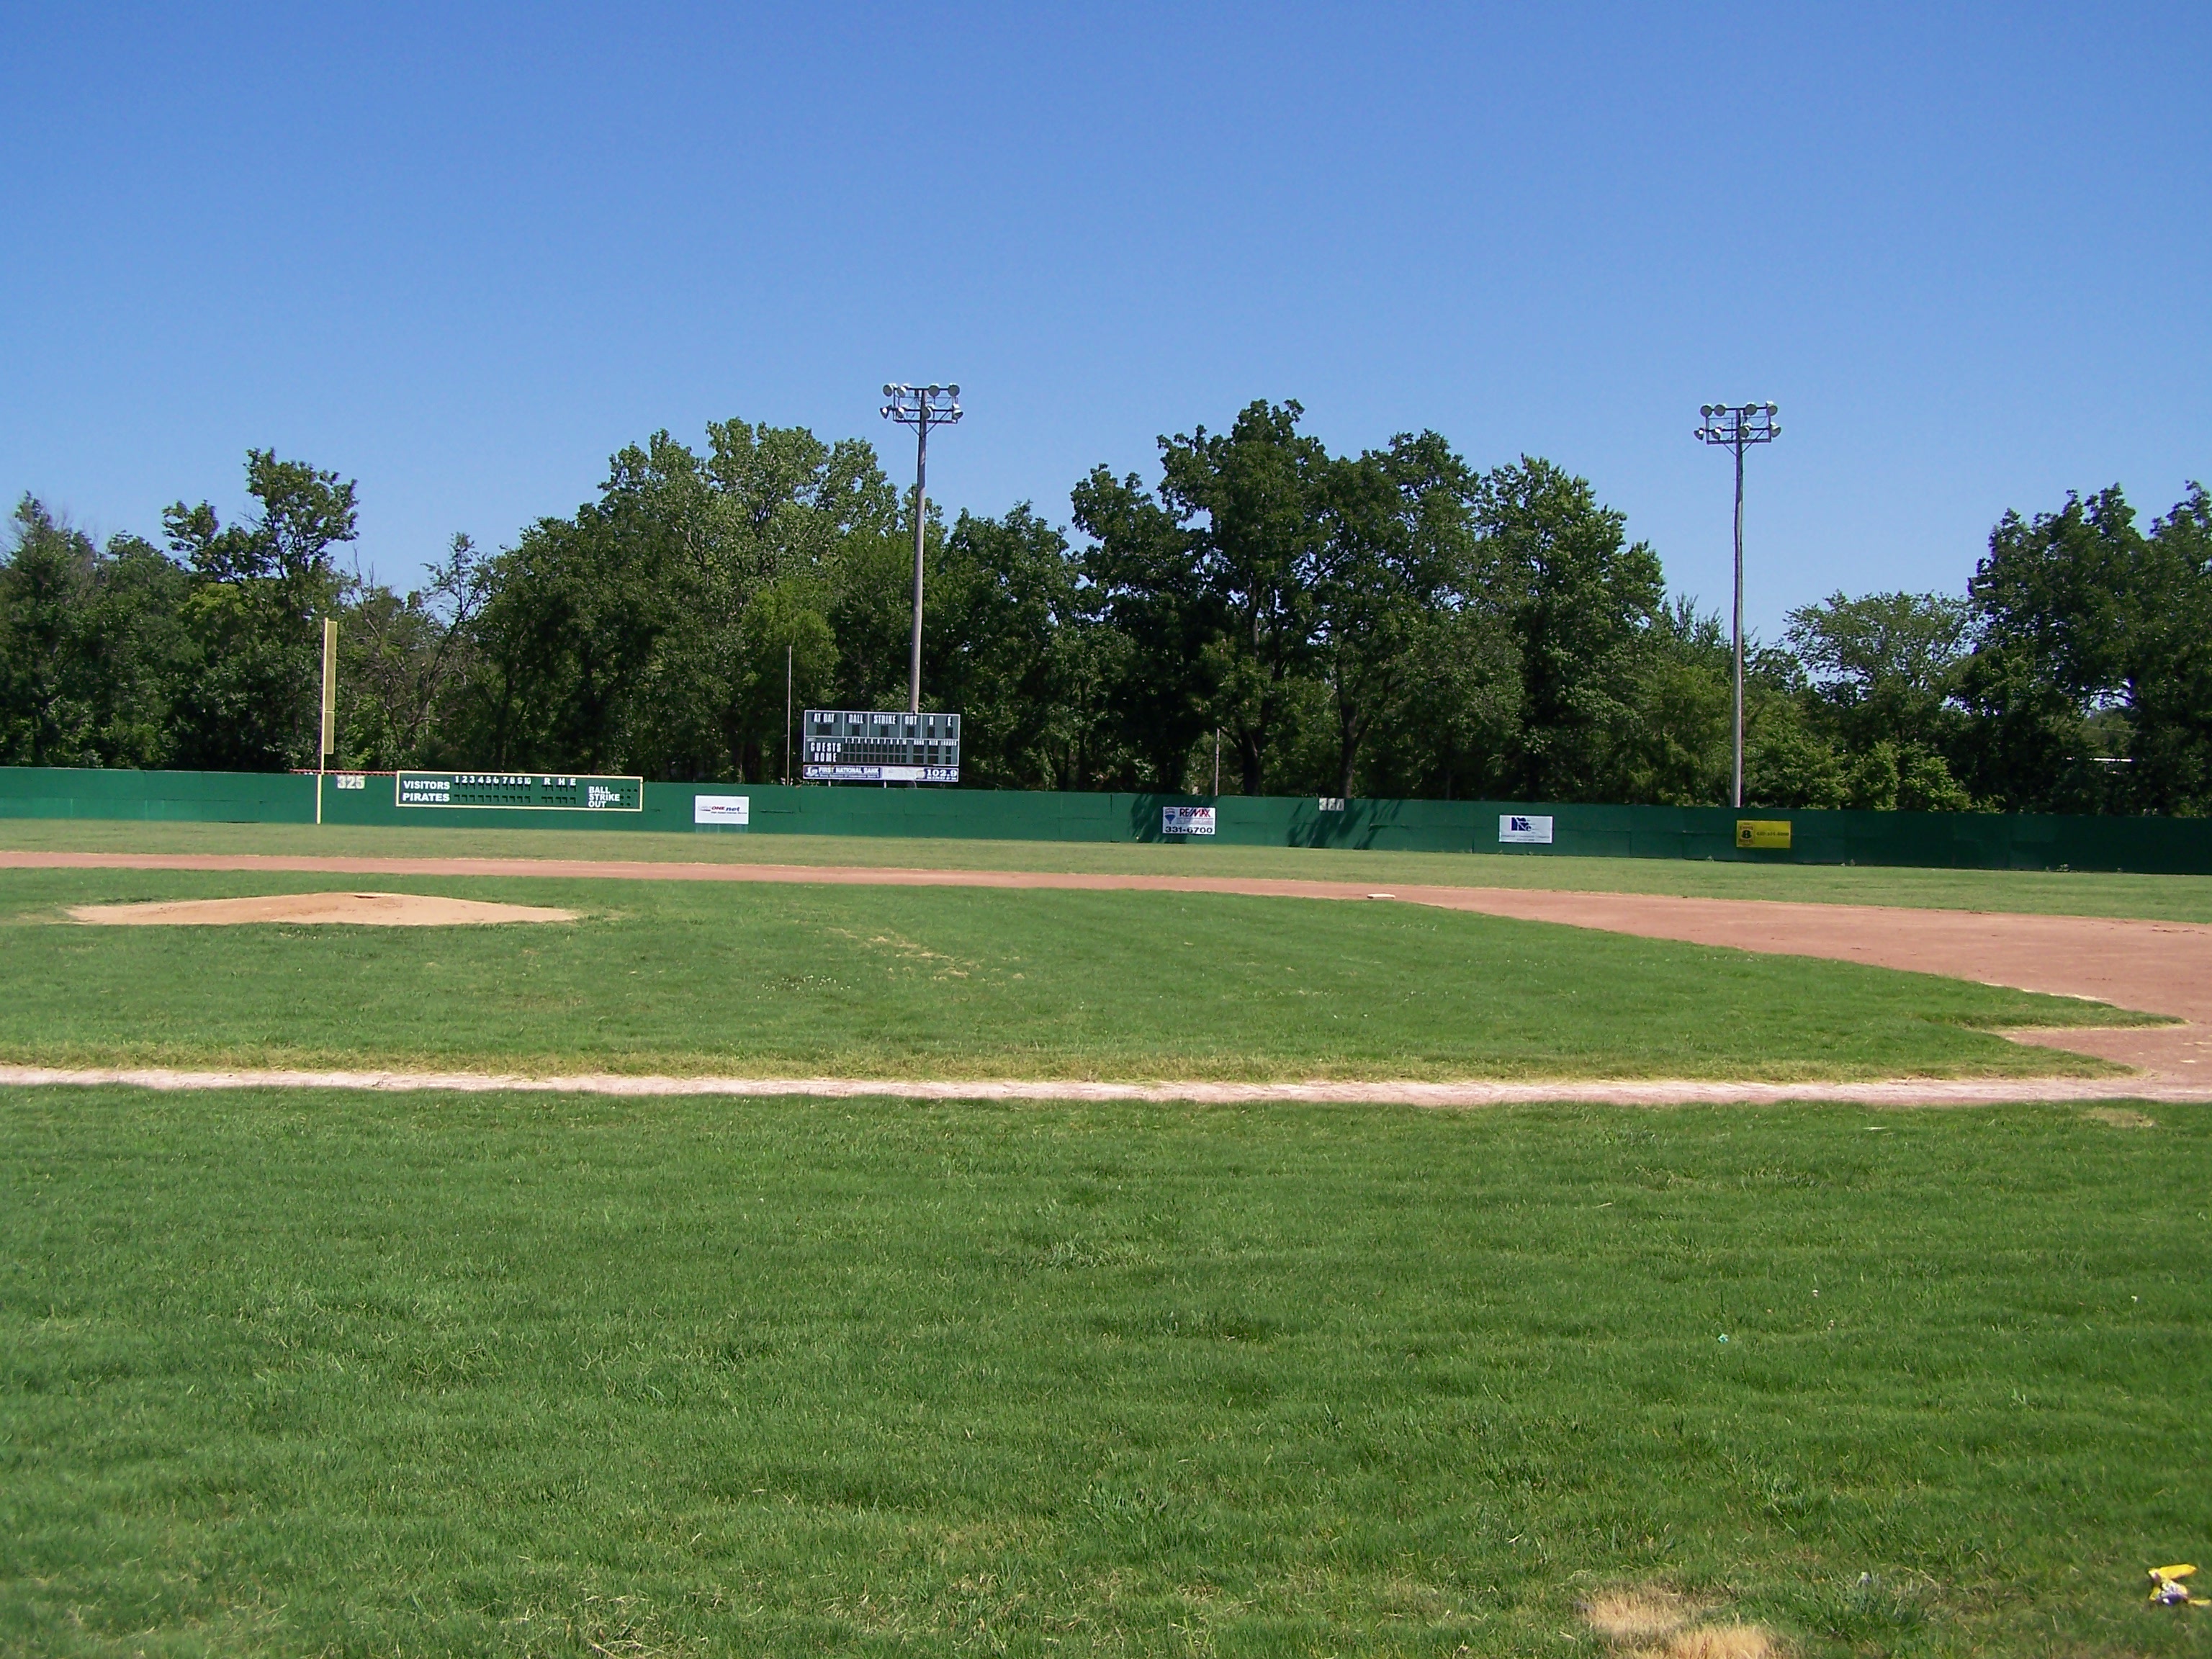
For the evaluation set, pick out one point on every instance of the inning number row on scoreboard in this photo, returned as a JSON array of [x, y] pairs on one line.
[[544, 791]]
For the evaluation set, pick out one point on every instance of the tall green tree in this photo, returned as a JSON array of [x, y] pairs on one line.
[[1676, 745], [617, 639], [1397, 549], [404, 659], [1151, 617], [1006, 642], [1884, 677], [872, 611], [1895, 655], [2170, 689], [1456, 714], [2074, 611], [1255, 499], [1583, 600], [90, 646], [786, 662], [260, 590]]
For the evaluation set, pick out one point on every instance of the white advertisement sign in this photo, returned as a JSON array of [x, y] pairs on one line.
[[1186, 820], [1515, 830], [731, 810]]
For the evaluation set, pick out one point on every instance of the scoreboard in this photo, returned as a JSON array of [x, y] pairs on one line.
[[542, 790], [843, 745]]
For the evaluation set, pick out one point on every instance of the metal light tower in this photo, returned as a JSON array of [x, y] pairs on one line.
[[921, 407], [1736, 427]]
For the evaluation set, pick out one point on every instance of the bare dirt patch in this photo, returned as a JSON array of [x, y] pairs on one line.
[[356, 909], [2121, 1118], [1720, 1642], [1638, 1615], [1651, 1622]]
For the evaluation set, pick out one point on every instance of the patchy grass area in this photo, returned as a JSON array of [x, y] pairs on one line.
[[2159, 898], [857, 981], [448, 1376]]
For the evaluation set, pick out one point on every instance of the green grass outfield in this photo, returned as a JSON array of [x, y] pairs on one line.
[[352, 1374], [2161, 898], [948, 982]]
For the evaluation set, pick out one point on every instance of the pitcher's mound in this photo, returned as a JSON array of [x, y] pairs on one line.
[[370, 909]]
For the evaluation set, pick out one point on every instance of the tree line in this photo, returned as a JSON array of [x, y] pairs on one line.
[[1395, 622]]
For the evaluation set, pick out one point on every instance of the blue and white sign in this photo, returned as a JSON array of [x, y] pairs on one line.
[[1186, 820], [735, 812], [1516, 829]]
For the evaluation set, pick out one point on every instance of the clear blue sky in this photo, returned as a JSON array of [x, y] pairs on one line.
[[463, 253]]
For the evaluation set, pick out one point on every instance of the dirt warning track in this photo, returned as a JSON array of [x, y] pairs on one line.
[[2154, 967]]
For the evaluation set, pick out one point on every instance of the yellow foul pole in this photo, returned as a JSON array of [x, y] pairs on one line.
[[330, 708]]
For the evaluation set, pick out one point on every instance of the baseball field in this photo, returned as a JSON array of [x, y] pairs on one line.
[[450, 1367]]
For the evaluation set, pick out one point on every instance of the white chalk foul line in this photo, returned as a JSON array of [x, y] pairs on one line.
[[1890, 1091]]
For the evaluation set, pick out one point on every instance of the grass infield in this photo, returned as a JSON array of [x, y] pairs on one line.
[[467, 1376], [2157, 898], [769, 980]]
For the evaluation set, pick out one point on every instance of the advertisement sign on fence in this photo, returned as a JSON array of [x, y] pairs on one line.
[[733, 811], [1771, 835], [1518, 830], [1186, 820]]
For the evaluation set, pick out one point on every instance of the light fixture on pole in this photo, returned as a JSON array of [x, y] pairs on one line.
[[1736, 427], [921, 407]]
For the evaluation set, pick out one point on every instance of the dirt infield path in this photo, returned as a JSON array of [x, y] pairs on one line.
[[1897, 1091], [2156, 967]]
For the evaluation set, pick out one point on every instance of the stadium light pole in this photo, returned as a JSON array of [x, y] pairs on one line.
[[921, 407], [1736, 427]]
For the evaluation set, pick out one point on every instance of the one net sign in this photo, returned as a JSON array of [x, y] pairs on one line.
[[517, 791], [1187, 820]]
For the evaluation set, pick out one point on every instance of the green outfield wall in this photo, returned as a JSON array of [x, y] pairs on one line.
[[1941, 840], [53, 792]]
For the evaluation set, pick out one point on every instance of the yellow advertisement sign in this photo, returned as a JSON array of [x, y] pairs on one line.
[[1766, 834]]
